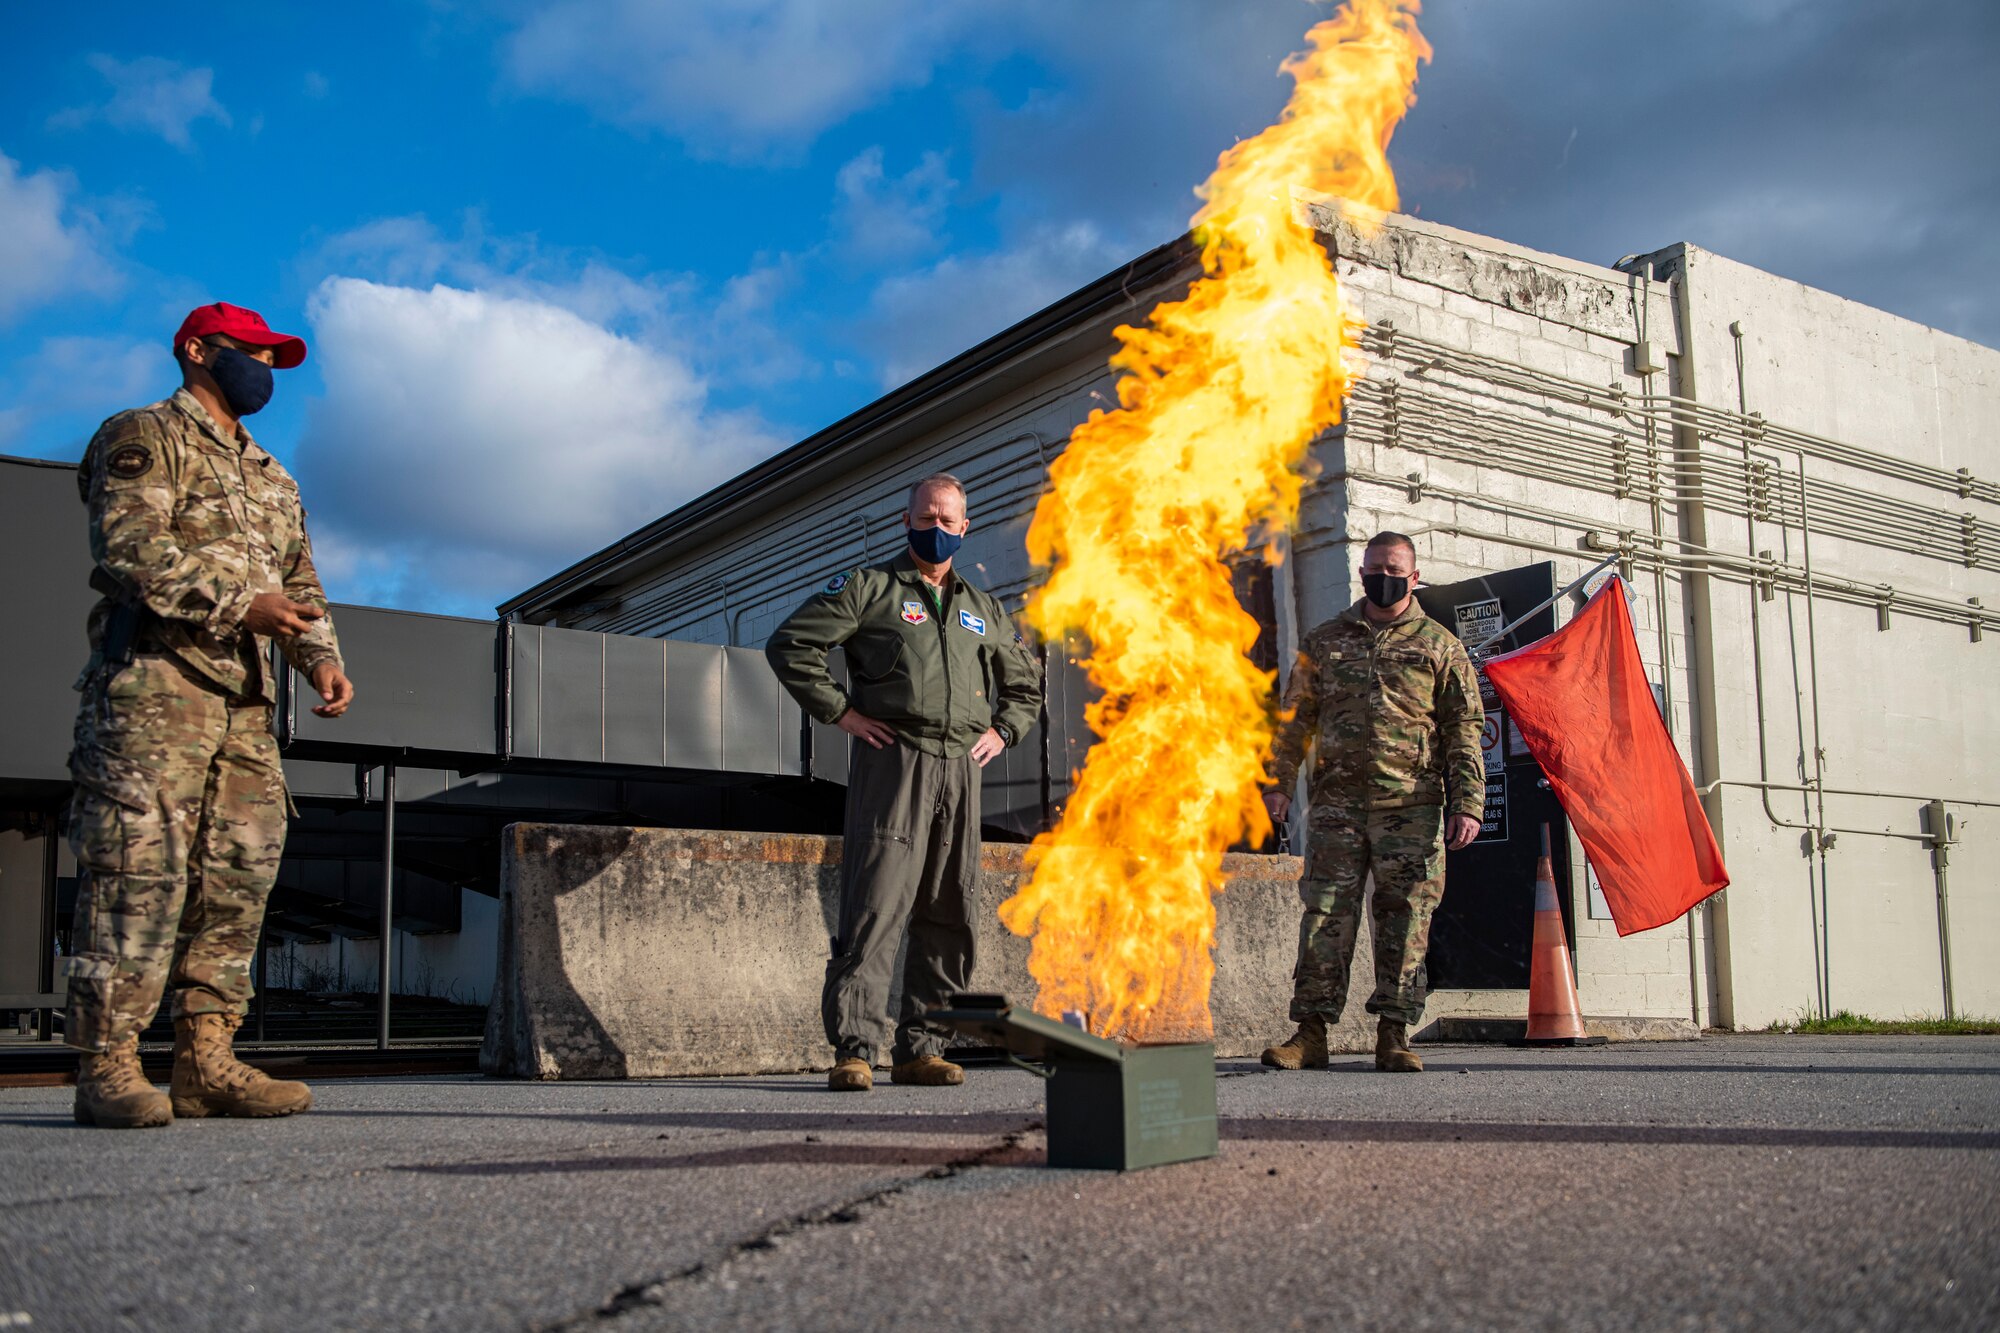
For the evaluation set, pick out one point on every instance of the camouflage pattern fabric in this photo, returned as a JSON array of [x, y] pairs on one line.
[[191, 525], [1404, 848], [178, 817], [1394, 713], [178, 824]]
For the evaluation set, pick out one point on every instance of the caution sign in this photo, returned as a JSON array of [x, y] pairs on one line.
[[1478, 621], [1475, 623]]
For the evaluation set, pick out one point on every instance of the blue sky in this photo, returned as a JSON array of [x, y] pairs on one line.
[[566, 264]]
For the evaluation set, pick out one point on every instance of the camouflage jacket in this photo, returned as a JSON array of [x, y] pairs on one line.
[[938, 672], [1395, 711], [190, 525]]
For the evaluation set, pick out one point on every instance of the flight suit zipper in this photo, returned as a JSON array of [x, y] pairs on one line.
[[944, 656]]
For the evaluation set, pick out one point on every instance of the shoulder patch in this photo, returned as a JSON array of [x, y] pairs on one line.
[[836, 583], [129, 461]]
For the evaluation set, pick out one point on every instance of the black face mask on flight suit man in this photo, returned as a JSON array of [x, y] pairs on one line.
[[934, 545]]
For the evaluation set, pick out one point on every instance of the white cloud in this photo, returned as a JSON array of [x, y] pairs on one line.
[[85, 378], [731, 76], [882, 217], [918, 320], [153, 95], [52, 246], [470, 443]]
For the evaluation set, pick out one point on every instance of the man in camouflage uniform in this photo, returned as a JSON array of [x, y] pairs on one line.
[[178, 819], [939, 683], [1389, 697]]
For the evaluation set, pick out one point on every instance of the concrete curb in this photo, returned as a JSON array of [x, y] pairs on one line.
[[1501, 1030], [653, 953]]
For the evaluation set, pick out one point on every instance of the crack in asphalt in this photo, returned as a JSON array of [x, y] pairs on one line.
[[657, 1292]]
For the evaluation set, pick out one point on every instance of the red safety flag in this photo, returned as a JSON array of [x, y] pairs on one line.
[[1584, 707]]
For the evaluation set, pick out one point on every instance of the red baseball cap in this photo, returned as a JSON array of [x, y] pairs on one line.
[[244, 326]]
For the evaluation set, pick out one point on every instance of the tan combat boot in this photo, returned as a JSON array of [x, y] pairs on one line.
[[112, 1091], [1392, 1048], [1304, 1049], [928, 1071], [210, 1080], [851, 1075]]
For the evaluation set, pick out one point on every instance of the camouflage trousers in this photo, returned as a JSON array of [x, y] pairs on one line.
[[178, 823], [1404, 849]]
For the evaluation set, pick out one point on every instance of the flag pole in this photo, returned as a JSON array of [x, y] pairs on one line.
[[1540, 607]]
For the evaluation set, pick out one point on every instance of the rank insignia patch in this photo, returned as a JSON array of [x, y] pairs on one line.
[[836, 583], [129, 461], [914, 613], [974, 623]]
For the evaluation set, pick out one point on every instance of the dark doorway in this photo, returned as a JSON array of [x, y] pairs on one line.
[[1483, 930]]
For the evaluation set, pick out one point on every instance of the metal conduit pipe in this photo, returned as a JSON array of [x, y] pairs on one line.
[[1529, 449], [1759, 573], [1386, 340]]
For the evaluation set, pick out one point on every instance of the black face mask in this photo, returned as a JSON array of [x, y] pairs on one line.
[[244, 380], [1385, 590]]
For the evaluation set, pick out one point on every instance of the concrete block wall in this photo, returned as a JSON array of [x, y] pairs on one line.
[[648, 953]]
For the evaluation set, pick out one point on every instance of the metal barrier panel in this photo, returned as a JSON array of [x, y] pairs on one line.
[[421, 682], [649, 703], [45, 600], [637, 700], [693, 737]]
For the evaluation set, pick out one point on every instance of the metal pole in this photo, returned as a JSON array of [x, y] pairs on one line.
[[388, 903], [1944, 934], [45, 965], [1540, 607], [263, 1000]]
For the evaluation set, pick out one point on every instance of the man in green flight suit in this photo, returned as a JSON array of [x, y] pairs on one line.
[[1390, 698], [939, 683]]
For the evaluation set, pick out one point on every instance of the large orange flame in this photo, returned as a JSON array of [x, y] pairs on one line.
[[1221, 393]]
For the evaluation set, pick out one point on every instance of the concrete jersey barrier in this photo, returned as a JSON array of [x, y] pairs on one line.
[[652, 953]]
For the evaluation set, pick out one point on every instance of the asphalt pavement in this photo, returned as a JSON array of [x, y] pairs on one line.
[[1768, 1182]]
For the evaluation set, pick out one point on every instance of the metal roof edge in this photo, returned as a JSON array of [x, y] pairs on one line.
[[37, 462], [1072, 310]]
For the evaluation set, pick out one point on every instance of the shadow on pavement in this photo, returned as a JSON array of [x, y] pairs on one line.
[[768, 1154]]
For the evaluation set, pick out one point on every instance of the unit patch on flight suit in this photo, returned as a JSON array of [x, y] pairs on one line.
[[914, 613], [974, 623]]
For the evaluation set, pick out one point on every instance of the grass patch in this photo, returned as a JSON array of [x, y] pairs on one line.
[[1844, 1023]]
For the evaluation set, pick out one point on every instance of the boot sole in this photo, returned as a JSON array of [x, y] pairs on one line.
[[196, 1110], [1303, 1064], [84, 1117]]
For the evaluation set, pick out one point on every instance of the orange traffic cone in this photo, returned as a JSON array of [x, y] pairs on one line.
[[1553, 1017]]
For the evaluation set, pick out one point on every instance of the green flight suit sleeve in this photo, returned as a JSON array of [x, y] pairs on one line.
[[1017, 683], [1461, 718], [797, 649], [133, 485], [1300, 708]]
